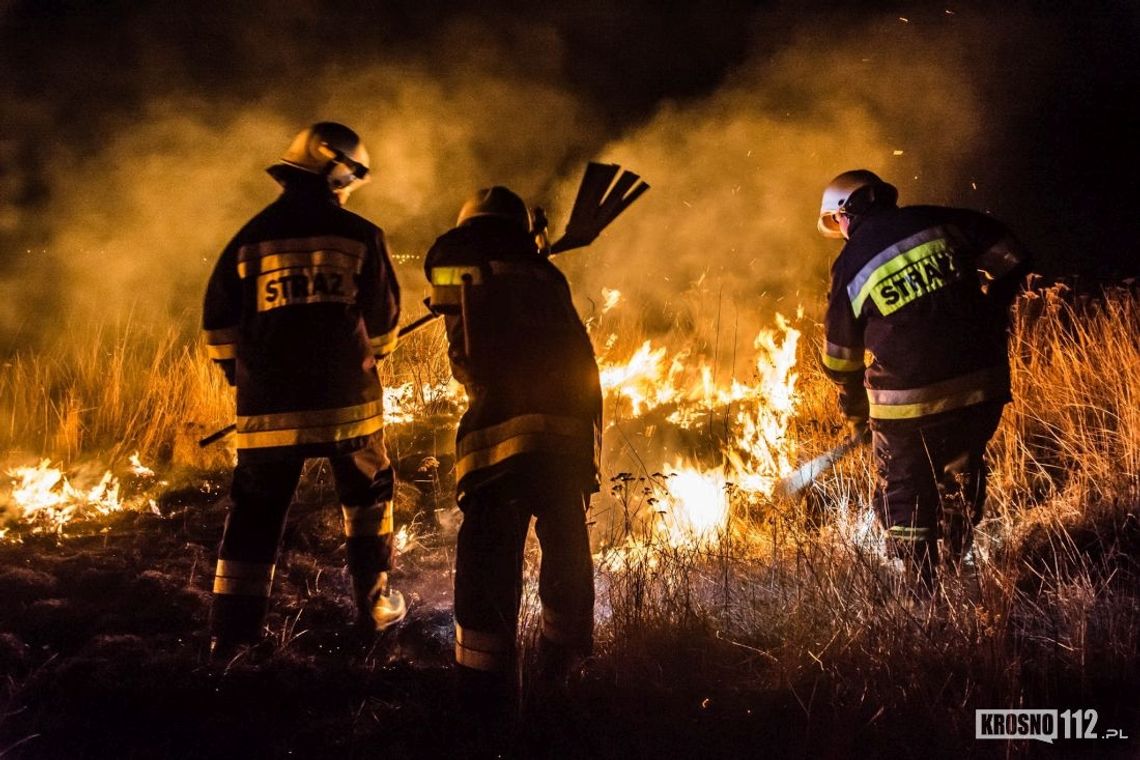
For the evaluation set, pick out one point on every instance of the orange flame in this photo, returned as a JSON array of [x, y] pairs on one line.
[[756, 453], [403, 404], [45, 501]]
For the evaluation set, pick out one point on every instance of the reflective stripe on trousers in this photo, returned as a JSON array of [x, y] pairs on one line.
[[243, 578], [373, 520], [990, 384], [483, 650], [573, 630]]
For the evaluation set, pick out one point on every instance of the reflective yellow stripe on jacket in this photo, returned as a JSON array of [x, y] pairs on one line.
[[382, 345], [324, 250], [314, 426], [222, 344], [446, 283], [520, 435], [908, 270], [841, 358], [955, 393]]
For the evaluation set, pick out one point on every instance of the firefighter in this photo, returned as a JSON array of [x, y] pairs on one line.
[[301, 306], [527, 445], [926, 292]]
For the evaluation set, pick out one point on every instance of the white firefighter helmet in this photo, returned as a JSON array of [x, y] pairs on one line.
[[839, 192], [331, 150], [496, 201]]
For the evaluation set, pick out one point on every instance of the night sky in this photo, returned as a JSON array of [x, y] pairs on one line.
[[134, 132]]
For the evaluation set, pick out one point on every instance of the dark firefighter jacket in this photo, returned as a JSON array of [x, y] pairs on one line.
[[304, 300], [522, 354], [925, 291]]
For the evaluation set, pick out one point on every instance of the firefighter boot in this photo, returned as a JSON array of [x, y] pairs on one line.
[[378, 606], [235, 622], [487, 713], [920, 560], [550, 717], [556, 663], [958, 537]]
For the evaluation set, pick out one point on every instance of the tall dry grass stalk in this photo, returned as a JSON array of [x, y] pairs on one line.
[[1073, 432], [106, 394]]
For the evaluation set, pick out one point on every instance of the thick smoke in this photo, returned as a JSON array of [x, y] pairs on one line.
[[727, 234], [128, 221], [119, 205], [137, 225]]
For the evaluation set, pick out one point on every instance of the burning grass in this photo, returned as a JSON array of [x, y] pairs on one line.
[[98, 394], [727, 618]]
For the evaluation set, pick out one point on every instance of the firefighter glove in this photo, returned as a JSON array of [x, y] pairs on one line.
[[859, 430], [229, 369]]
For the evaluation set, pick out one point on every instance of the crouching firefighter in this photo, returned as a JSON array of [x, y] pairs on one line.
[[301, 306], [527, 445], [926, 291]]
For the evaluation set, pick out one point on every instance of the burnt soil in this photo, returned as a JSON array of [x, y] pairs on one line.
[[104, 654]]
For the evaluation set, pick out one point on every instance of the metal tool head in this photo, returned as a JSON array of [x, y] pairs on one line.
[[600, 200], [807, 472]]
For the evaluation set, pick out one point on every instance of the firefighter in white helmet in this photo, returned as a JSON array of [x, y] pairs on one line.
[[302, 304], [526, 446], [926, 292]]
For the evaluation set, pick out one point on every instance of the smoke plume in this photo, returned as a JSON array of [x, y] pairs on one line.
[[135, 146]]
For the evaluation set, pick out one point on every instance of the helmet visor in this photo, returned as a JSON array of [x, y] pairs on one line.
[[828, 225]]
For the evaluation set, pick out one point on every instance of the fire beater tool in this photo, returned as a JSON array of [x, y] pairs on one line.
[[600, 200]]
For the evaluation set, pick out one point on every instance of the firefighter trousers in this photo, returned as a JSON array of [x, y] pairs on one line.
[[489, 565], [931, 483], [260, 498]]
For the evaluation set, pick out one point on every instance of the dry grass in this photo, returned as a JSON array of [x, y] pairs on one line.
[[797, 604], [792, 616], [106, 394]]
